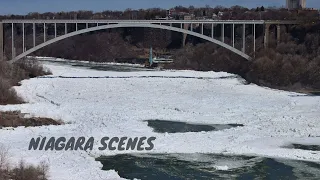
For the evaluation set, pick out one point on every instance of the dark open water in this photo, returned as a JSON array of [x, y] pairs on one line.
[[207, 167]]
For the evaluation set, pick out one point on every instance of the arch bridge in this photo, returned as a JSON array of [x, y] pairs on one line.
[[183, 26]]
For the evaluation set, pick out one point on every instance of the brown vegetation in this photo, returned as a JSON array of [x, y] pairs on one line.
[[12, 74], [16, 118], [293, 64], [22, 171], [104, 46]]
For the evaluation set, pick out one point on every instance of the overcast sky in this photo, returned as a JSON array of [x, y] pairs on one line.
[[26, 6]]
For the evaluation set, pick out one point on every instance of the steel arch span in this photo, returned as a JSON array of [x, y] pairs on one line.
[[124, 25]]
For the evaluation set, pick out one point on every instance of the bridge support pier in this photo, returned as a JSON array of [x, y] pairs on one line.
[[244, 38], [44, 32], [23, 43], [222, 32], [34, 34], [186, 27], [232, 35], [13, 49], [278, 33], [212, 30], [254, 40], [202, 28], [266, 35], [1, 42], [55, 30]]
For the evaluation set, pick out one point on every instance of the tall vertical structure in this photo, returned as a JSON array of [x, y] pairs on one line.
[[150, 57], [169, 14], [296, 4], [186, 27], [303, 4], [1, 42]]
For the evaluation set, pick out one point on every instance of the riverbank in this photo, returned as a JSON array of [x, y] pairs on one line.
[[15, 119], [12, 75], [126, 65]]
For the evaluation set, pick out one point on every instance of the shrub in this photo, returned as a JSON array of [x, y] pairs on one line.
[[284, 67], [12, 74], [29, 172], [16, 118], [4, 163], [22, 171], [32, 68], [7, 94]]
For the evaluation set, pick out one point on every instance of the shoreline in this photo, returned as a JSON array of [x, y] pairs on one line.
[[304, 90]]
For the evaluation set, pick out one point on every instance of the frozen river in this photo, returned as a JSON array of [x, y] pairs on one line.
[[188, 112]]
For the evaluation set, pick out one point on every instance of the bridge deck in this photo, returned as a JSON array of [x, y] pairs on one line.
[[282, 22], [131, 21], [107, 21]]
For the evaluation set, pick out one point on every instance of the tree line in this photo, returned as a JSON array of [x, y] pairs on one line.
[[234, 12]]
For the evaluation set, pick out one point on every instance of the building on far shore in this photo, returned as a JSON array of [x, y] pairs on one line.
[[296, 4]]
